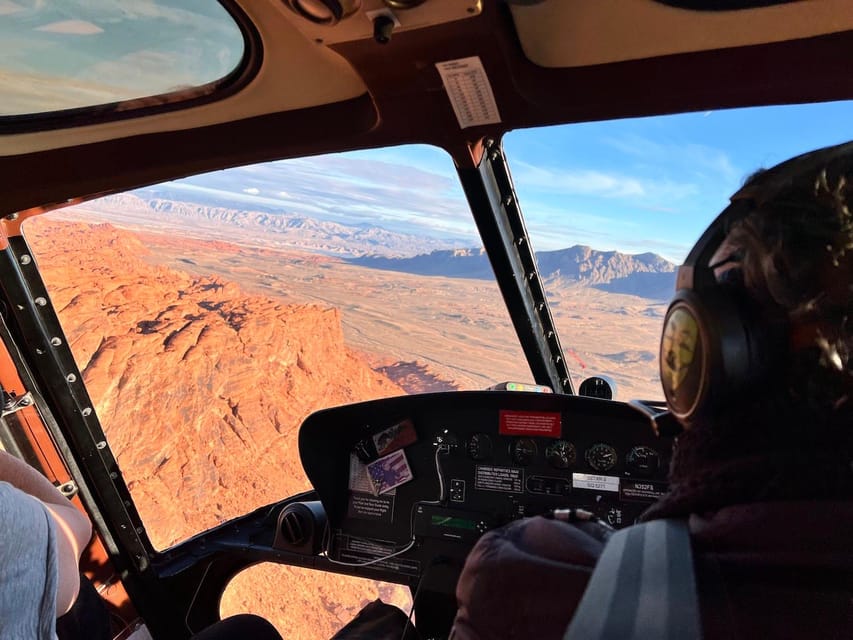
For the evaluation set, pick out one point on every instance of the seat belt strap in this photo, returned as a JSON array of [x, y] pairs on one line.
[[643, 587]]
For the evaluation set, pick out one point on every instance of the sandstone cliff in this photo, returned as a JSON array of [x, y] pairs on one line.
[[201, 389]]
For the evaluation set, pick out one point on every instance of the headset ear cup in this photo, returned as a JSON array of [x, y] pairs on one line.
[[683, 358], [711, 350]]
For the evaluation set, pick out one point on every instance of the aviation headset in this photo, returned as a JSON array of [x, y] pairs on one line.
[[716, 344]]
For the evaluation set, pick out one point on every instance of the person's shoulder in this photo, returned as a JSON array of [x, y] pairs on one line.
[[548, 539], [791, 526]]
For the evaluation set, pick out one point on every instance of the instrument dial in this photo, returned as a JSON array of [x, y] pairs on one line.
[[523, 451], [480, 447], [601, 457], [643, 460], [561, 454]]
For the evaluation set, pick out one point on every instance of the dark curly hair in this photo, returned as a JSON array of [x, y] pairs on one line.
[[795, 260], [796, 264]]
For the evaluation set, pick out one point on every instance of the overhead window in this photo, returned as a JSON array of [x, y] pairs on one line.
[[75, 54]]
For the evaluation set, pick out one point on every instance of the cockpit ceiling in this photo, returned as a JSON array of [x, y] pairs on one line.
[[318, 88], [299, 70], [295, 73], [579, 33]]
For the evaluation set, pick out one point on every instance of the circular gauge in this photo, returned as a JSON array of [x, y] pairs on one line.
[[561, 454], [598, 387], [643, 460], [523, 451], [480, 447], [601, 457]]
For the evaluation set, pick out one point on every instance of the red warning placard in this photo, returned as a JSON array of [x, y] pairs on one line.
[[531, 423]]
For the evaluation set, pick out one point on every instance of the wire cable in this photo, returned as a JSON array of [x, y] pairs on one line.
[[370, 562], [445, 449], [442, 448]]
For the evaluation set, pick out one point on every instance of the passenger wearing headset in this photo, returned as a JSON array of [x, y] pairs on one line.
[[756, 366]]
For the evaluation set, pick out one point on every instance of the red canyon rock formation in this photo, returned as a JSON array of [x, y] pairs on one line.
[[201, 389]]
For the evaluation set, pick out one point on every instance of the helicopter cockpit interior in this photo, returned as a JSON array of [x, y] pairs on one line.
[[300, 298]]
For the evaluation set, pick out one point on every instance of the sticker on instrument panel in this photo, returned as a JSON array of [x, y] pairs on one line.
[[506, 479], [594, 482], [366, 506], [395, 437], [359, 479], [389, 472], [359, 550], [546, 424], [642, 491], [469, 90]]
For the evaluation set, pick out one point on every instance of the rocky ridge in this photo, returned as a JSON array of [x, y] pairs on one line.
[[646, 274], [201, 389]]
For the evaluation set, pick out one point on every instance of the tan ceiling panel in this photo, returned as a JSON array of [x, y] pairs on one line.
[[576, 33]]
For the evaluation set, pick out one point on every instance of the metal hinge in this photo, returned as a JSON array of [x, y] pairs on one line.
[[13, 405], [68, 489]]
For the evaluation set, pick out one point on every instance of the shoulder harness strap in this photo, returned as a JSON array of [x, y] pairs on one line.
[[643, 587]]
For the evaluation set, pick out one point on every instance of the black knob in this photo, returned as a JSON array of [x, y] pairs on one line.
[[382, 28], [293, 527]]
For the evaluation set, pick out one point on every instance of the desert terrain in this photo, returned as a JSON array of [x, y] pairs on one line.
[[204, 343], [452, 328], [200, 388]]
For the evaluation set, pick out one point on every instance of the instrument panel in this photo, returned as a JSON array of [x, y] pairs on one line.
[[410, 479]]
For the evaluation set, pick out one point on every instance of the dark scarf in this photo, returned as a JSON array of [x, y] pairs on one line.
[[773, 449]]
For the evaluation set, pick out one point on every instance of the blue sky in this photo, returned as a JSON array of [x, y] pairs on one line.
[[655, 183], [634, 185]]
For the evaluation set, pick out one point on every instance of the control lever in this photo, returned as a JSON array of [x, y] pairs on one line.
[[663, 422]]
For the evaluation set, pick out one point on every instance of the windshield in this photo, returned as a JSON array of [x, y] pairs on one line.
[[209, 316], [612, 208]]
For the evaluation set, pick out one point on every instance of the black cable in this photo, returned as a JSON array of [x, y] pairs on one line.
[[414, 602], [432, 563]]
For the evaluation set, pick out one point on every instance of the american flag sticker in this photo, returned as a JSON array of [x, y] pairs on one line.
[[389, 472]]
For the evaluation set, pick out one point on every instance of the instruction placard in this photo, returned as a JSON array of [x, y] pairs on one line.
[[506, 479], [546, 424], [360, 550], [595, 483], [642, 491], [469, 90], [366, 506]]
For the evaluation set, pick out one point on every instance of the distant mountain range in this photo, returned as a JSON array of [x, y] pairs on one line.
[[646, 274], [279, 227]]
